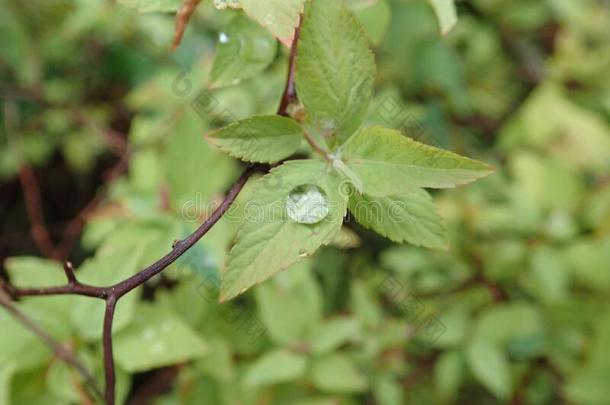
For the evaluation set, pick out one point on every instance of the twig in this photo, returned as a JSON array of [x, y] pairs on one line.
[[60, 351], [290, 92], [31, 194], [182, 19], [108, 356]]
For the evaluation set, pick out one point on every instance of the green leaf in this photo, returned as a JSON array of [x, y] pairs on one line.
[[373, 15], [6, 373], [337, 373], [335, 69], [410, 217], [156, 338], [276, 367], [269, 240], [244, 50], [445, 13], [389, 163], [290, 305], [265, 139], [280, 17], [448, 375], [152, 6], [490, 367], [187, 153], [331, 334]]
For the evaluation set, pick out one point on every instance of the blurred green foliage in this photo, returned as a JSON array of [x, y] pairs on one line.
[[515, 312]]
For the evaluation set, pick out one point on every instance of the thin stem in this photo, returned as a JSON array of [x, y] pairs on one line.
[[69, 270], [108, 356], [290, 92], [60, 351], [31, 194], [317, 148]]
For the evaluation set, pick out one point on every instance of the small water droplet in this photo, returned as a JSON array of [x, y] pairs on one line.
[[303, 253], [223, 38], [157, 347], [307, 204], [223, 4], [148, 334], [269, 20]]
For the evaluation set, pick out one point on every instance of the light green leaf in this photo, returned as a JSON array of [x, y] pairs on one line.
[[290, 305], [156, 338], [409, 217], [27, 271], [276, 367], [265, 139], [152, 6], [188, 153], [331, 334], [269, 241], [335, 69], [445, 13], [490, 367], [389, 163], [280, 17], [244, 50], [373, 15], [6, 373], [337, 373], [448, 375]]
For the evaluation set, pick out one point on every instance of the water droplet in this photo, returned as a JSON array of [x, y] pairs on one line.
[[157, 347], [269, 20], [148, 334], [307, 204], [303, 253], [223, 4], [223, 38]]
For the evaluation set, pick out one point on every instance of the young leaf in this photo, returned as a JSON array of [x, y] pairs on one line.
[[280, 17], [156, 338], [337, 373], [244, 49], [270, 240], [409, 217], [335, 68], [275, 367], [389, 163], [445, 13], [490, 367], [259, 139]]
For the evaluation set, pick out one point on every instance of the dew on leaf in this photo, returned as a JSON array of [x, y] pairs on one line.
[[223, 4], [223, 38], [307, 204]]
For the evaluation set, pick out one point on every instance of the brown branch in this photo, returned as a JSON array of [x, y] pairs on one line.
[[182, 19], [289, 95], [110, 375], [111, 294], [31, 194], [58, 349]]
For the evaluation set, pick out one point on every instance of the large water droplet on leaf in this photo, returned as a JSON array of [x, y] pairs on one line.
[[307, 204]]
